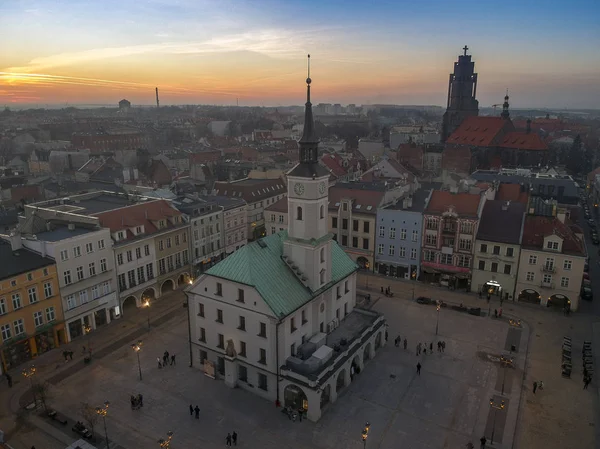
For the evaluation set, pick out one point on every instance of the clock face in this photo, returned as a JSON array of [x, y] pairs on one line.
[[322, 188], [299, 189]]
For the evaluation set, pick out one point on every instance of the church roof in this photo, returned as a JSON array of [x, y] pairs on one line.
[[478, 131], [259, 264], [523, 141]]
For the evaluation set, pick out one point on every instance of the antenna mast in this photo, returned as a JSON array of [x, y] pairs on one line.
[[157, 103]]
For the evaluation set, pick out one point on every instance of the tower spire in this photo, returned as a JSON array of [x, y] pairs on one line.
[[308, 139], [505, 113]]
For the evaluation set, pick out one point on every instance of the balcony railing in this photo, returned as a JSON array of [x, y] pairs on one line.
[[547, 285], [548, 269]]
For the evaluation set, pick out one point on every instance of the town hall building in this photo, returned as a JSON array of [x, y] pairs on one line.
[[278, 317]]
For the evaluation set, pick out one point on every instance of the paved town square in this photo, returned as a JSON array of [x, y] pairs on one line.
[[446, 406]]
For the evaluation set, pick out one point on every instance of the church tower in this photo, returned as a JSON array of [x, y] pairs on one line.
[[309, 242], [462, 88]]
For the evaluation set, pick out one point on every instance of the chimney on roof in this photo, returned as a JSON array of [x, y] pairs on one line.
[[528, 126], [560, 214], [15, 241]]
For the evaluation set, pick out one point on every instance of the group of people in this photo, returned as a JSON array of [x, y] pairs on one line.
[[387, 291], [68, 355], [195, 410], [165, 359], [422, 347], [231, 438], [136, 401]]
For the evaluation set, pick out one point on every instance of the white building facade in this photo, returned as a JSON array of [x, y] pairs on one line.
[[86, 275], [278, 316]]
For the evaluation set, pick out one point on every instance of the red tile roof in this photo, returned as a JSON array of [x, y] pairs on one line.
[[364, 200], [143, 214], [512, 192], [279, 206], [251, 190], [334, 163], [538, 227], [464, 204], [479, 131], [523, 141]]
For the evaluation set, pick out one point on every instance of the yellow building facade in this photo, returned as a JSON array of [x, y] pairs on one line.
[[31, 315]]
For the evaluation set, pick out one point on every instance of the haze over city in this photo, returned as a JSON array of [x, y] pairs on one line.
[[215, 52]]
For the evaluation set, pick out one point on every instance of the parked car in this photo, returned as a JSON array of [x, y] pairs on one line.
[[586, 293]]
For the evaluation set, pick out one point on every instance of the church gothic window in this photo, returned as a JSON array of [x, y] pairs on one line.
[[322, 255], [299, 213], [322, 212]]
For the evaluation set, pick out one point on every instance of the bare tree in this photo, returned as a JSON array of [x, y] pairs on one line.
[[42, 391], [89, 415]]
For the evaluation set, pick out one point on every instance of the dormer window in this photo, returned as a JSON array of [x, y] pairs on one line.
[[120, 235], [139, 230], [552, 246]]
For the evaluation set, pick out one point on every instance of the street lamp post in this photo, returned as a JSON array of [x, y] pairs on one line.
[[103, 411], [496, 407], [437, 320], [365, 434], [28, 374], [166, 444], [88, 330], [137, 347], [147, 306]]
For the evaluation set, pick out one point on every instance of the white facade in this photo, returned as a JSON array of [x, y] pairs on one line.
[[550, 273], [207, 236], [86, 276], [136, 270], [496, 265], [308, 246], [234, 223]]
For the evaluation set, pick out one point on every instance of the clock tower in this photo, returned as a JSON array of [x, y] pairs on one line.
[[309, 242]]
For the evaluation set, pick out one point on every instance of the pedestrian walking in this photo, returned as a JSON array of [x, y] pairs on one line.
[[70, 355], [382, 289], [419, 368], [586, 382], [228, 440], [535, 385], [397, 341], [417, 350], [234, 438], [405, 344], [431, 347], [483, 440], [173, 360], [159, 362], [443, 345], [9, 380], [141, 399], [197, 411], [191, 410]]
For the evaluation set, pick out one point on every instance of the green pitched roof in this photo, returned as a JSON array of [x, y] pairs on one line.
[[263, 268]]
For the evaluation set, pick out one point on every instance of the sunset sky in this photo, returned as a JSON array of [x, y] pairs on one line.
[[217, 51]]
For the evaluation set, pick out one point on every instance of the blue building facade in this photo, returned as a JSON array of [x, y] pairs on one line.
[[398, 235]]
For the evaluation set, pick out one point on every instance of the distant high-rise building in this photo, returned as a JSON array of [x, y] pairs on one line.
[[462, 88]]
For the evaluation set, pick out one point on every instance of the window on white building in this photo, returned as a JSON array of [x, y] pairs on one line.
[[392, 233], [381, 231], [89, 248], [92, 268], [391, 250], [83, 296], [103, 266], [67, 277], [76, 251], [530, 276], [402, 234], [413, 253], [100, 244], [532, 260], [64, 255], [564, 282], [547, 278], [71, 302], [79, 273], [415, 235], [380, 249], [567, 264], [402, 251]]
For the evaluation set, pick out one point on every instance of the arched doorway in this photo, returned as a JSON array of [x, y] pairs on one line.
[[340, 381], [355, 367], [492, 288], [530, 296], [378, 341], [166, 287], [183, 280], [363, 262], [325, 395], [294, 397], [559, 301], [148, 296], [367, 352], [129, 303]]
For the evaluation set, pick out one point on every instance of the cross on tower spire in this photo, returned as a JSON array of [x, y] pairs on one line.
[[465, 48]]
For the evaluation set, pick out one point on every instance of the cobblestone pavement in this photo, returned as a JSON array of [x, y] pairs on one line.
[[446, 406], [563, 415], [52, 366]]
